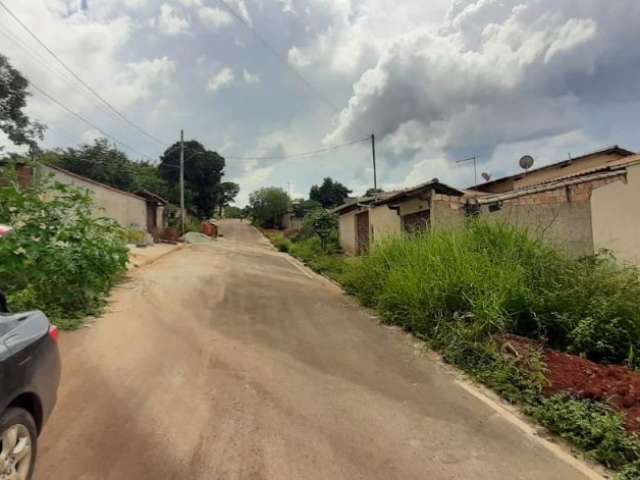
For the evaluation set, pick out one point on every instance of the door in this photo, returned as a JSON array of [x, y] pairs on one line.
[[152, 218], [362, 232], [417, 222]]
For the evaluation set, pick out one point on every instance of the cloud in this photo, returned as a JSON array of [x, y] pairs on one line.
[[220, 80], [250, 78], [497, 72], [240, 7], [170, 22], [141, 78], [298, 58], [214, 18]]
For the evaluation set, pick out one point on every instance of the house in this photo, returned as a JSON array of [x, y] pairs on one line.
[[366, 220], [143, 211], [580, 210]]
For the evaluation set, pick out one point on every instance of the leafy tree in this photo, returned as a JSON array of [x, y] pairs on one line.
[[302, 207], [227, 193], [373, 191], [13, 98], [268, 205], [322, 223], [330, 194], [203, 171], [234, 212]]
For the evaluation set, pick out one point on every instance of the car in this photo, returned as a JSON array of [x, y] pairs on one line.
[[29, 378]]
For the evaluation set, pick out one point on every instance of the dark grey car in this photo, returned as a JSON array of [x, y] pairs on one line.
[[29, 378]]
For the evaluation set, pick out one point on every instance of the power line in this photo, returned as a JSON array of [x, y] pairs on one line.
[[80, 80], [234, 13], [84, 120], [302, 154]]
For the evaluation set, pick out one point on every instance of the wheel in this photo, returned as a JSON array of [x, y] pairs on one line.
[[18, 445]]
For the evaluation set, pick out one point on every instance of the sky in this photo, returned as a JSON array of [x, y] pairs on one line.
[[437, 81]]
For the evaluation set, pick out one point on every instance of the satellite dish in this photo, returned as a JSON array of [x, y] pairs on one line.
[[526, 162], [486, 176]]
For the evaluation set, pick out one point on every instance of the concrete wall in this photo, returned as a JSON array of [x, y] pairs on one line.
[[446, 212], [348, 240], [384, 223], [615, 211], [123, 207]]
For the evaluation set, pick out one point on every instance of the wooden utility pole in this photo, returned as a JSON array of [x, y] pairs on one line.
[[375, 174], [182, 211]]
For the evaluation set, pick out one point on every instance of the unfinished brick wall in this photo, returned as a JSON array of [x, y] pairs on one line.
[[561, 216], [446, 212]]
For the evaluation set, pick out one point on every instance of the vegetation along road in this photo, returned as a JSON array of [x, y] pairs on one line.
[[229, 361]]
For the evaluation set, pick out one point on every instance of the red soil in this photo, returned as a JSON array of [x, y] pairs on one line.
[[615, 385]]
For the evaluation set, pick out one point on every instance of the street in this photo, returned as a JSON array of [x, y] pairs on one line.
[[229, 361]]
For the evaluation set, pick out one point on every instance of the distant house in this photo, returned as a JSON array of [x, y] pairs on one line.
[[143, 210], [582, 206], [366, 220]]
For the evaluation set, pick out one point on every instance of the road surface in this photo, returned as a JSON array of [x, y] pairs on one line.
[[228, 361]]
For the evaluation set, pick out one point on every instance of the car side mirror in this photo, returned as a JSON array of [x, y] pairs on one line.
[[4, 308]]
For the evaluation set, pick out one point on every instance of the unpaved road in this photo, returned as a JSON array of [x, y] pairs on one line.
[[228, 362]]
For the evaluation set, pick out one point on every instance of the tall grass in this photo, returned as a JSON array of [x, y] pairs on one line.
[[460, 286]]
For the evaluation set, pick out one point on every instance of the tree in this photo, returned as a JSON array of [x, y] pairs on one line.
[[323, 223], [302, 207], [227, 192], [373, 191], [330, 194], [13, 98], [234, 212], [103, 162], [268, 205], [203, 171]]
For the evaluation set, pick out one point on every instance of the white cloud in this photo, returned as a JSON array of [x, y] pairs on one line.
[[170, 21], [240, 7], [298, 58], [250, 78], [496, 72], [220, 80], [140, 79], [214, 17]]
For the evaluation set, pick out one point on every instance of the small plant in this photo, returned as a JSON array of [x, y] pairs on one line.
[[281, 243], [595, 429], [322, 223]]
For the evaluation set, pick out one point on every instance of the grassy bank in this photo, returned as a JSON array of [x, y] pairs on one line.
[[462, 290]]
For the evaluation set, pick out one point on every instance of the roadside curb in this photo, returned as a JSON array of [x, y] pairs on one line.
[[151, 261]]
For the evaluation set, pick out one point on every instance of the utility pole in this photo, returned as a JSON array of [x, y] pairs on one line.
[[475, 167], [375, 174], [182, 211]]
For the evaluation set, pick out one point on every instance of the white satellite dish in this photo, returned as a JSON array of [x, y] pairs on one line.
[[486, 176], [526, 162]]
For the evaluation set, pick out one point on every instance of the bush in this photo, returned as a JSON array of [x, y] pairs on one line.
[[61, 259], [595, 429], [281, 243], [501, 280]]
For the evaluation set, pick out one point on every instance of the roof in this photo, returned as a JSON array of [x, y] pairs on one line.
[[398, 196], [88, 180], [605, 151], [152, 196], [550, 185]]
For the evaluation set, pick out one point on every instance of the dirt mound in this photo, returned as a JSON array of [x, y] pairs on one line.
[[615, 385]]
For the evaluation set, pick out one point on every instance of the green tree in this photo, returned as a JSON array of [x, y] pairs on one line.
[[302, 207], [13, 98], [203, 171], [268, 205], [322, 223], [227, 193], [234, 212], [373, 191], [330, 194]]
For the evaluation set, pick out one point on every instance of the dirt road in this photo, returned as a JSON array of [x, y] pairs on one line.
[[230, 362]]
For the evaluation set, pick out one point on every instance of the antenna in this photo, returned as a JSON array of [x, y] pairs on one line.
[[526, 162], [475, 166], [486, 176]]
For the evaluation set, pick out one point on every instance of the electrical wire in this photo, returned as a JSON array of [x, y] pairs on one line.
[[302, 154], [79, 79], [84, 120]]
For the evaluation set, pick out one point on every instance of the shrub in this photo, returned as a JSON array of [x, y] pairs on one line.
[[61, 259], [502, 280], [281, 243], [595, 429]]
